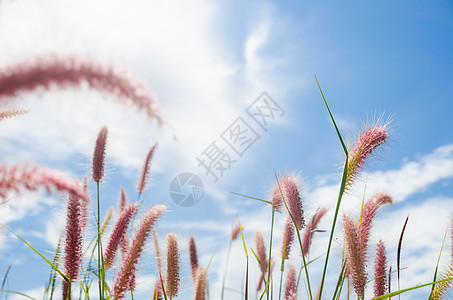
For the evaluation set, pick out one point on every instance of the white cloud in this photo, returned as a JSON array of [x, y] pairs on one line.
[[174, 47]]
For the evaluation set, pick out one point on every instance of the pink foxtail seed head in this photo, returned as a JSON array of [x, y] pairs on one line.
[[118, 233], [73, 243], [193, 256], [363, 148], [172, 266], [369, 211], [288, 237], [355, 256], [15, 178], [141, 185], [127, 272], [288, 187], [310, 230], [99, 154], [65, 71], [261, 251], [236, 231]]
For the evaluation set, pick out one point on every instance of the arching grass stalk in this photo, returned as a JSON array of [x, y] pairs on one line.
[[269, 267], [265, 289], [340, 282], [99, 241], [298, 237]]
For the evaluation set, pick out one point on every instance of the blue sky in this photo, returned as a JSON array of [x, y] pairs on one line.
[[207, 62]]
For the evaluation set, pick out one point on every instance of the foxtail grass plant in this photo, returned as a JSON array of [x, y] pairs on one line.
[[77, 264]]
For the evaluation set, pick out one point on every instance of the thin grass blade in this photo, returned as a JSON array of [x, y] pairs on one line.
[[398, 255], [333, 120], [42, 256], [386, 296], [254, 198]]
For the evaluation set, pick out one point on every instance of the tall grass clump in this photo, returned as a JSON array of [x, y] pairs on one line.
[[106, 264]]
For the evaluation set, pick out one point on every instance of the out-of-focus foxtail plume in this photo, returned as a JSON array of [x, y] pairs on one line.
[[200, 284], [193, 256], [288, 237], [141, 185], [64, 71], [310, 230], [16, 178]]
